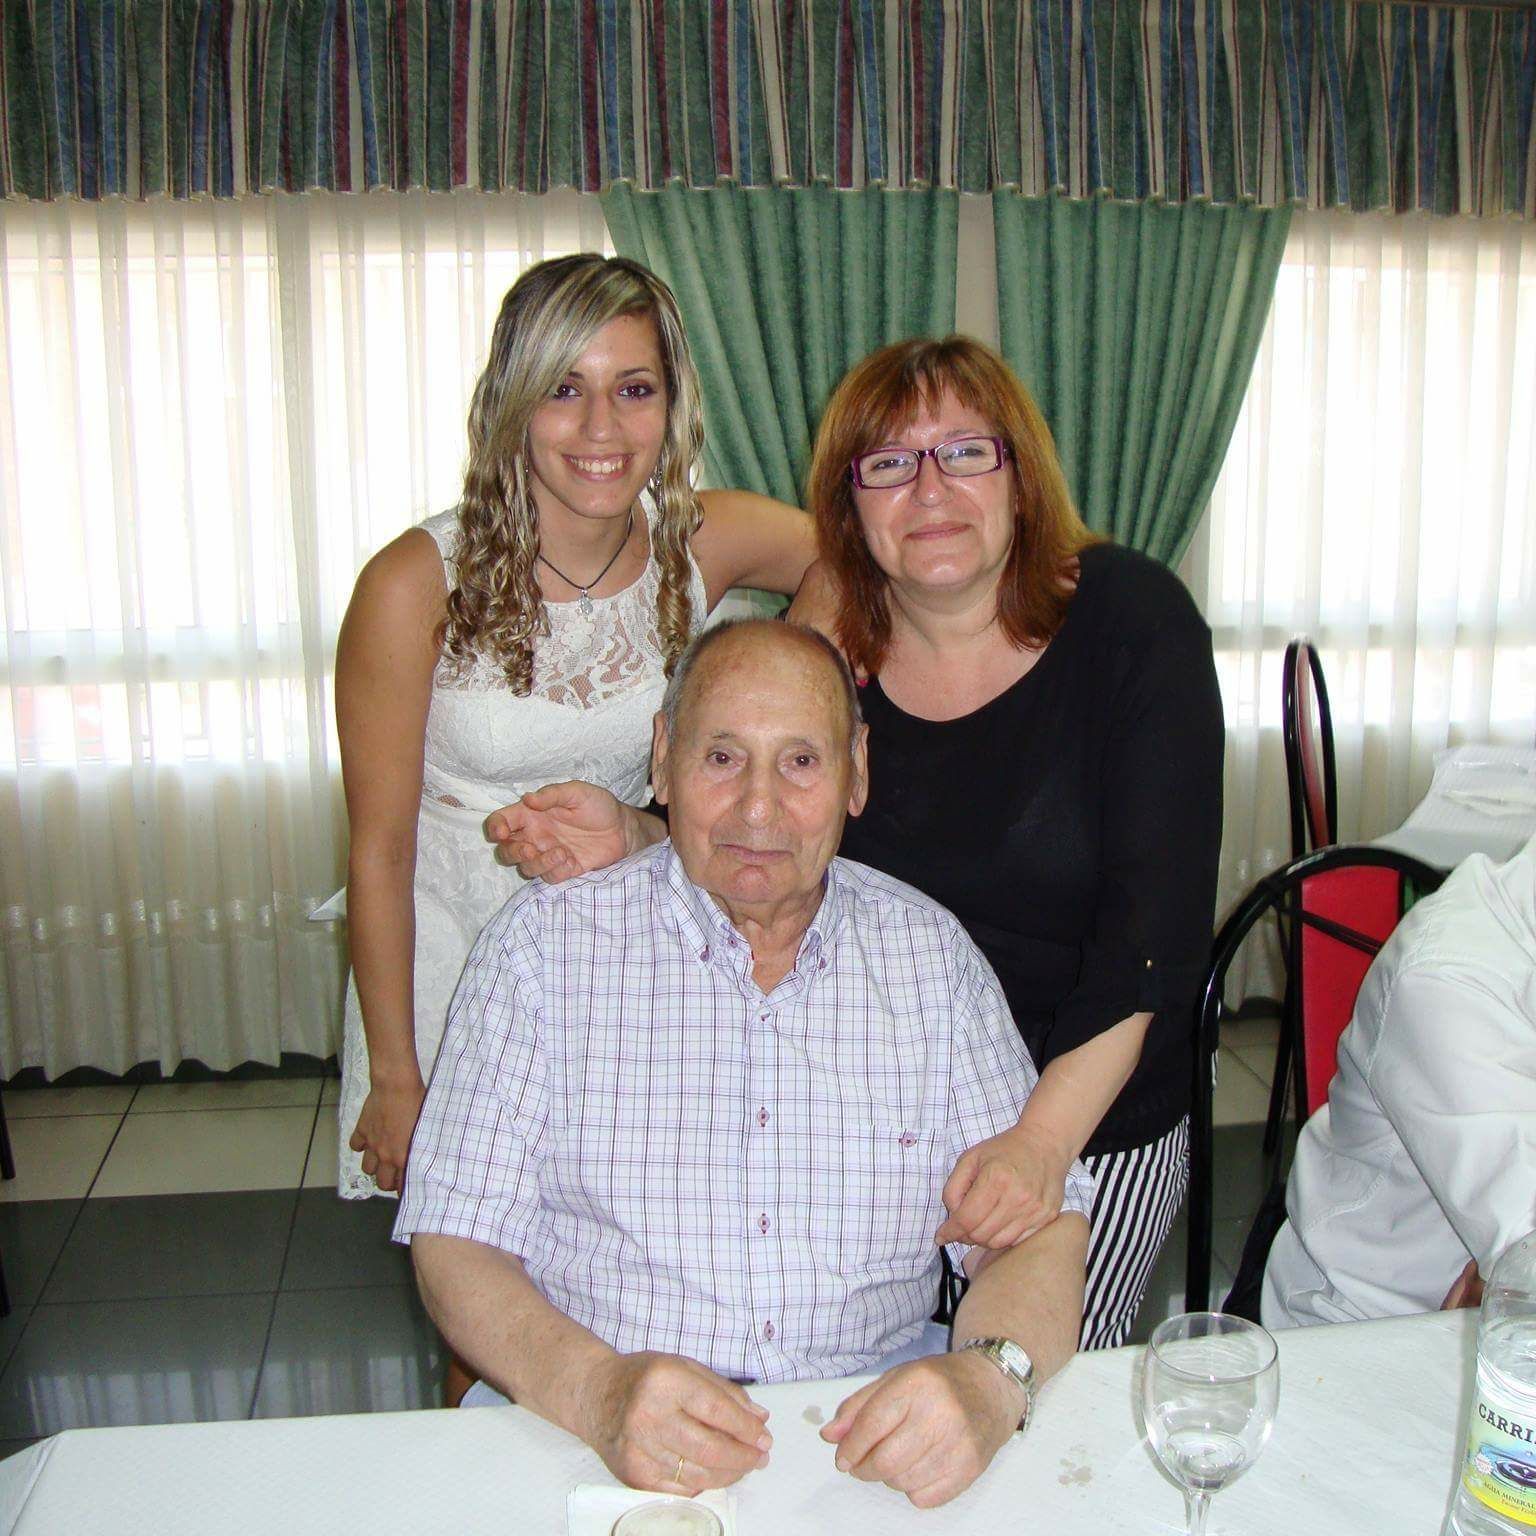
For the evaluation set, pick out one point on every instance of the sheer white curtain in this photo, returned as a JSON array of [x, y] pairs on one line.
[[1380, 496], [210, 415]]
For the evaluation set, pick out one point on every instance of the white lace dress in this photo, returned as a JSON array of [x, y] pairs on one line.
[[597, 683]]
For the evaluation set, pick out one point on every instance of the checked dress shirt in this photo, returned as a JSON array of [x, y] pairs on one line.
[[687, 1165]]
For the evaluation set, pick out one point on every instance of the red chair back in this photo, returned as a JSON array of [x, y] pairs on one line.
[[1309, 730], [1363, 902], [1307, 733]]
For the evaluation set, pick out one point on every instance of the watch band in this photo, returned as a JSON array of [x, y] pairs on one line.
[[1013, 1361]]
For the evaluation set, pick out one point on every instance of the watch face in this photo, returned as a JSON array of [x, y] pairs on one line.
[[1017, 1358], [1014, 1362]]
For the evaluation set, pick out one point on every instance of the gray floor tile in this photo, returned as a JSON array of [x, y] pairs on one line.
[[180, 1360], [174, 1245], [352, 1351], [12, 1327], [1241, 1173], [32, 1234], [1164, 1296], [1228, 1234], [344, 1243]]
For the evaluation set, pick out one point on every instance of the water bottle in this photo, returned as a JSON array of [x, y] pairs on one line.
[[1496, 1495]]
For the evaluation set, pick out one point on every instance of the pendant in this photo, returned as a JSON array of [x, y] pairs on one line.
[[584, 604]]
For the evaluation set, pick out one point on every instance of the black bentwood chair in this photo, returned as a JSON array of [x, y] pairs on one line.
[[1311, 775], [1312, 789], [1335, 907]]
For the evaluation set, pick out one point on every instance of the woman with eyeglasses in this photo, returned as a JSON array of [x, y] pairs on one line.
[[1045, 759]]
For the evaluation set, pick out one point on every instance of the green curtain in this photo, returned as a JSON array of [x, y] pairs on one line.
[[1135, 326], [1324, 103], [782, 290]]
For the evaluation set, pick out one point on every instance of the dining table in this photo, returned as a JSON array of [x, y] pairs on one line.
[[1481, 799], [1367, 1437]]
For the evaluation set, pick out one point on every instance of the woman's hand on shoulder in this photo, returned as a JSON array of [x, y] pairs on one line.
[[747, 540], [559, 831]]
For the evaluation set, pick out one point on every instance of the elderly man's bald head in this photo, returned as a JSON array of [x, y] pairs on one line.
[[759, 755], [742, 636]]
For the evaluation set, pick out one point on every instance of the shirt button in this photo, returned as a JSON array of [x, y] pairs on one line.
[[765, 1017], [762, 1117], [768, 1330], [763, 1223], [908, 1139], [704, 956]]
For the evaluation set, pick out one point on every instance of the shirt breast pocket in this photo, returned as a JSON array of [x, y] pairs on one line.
[[890, 1207]]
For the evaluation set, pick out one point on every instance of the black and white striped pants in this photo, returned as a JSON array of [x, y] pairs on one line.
[[1139, 1193]]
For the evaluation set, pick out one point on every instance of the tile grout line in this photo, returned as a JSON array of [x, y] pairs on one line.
[[293, 1222], [74, 1222], [42, 1289], [96, 1177], [1238, 1060]]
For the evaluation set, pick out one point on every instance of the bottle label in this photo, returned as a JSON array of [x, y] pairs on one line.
[[1500, 1469]]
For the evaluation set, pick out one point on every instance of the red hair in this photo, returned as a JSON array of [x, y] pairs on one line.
[[883, 395]]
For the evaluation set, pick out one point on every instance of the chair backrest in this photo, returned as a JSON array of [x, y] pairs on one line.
[[1311, 775], [1346, 914], [1336, 907]]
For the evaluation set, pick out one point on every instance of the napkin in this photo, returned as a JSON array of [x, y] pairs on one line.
[[1491, 800], [592, 1508]]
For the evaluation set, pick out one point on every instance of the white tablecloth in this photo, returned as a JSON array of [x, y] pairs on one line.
[[1366, 1441], [1481, 800]]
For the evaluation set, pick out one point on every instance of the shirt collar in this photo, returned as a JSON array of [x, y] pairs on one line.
[[706, 928]]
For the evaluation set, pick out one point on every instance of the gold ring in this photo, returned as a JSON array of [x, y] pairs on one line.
[[677, 1477]]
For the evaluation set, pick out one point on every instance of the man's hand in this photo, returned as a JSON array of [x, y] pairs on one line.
[[644, 1411], [559, 831], [1466, 1290], [929, 1428], [1004, 1189], [384, 1129]]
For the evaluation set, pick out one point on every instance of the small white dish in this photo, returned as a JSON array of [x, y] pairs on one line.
[[669, 1517], [594, 1509]]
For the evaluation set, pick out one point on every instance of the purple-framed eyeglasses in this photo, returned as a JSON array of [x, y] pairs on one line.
[[885, 468]]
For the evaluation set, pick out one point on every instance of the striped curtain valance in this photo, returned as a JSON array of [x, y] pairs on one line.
[[1323, 103]]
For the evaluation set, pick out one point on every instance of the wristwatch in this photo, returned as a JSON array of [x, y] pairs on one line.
[[1014, 1362]]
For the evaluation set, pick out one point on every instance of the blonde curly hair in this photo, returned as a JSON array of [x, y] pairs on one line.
[[548, 317]]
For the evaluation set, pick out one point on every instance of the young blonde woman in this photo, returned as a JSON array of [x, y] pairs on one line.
[[523, 637]]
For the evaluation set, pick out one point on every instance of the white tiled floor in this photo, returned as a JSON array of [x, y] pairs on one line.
[[324, 1147], [57, 1157], [184, 1138], [207, 1152], [1242, 1095], [50, 1102], [277, 1093], [165, 1138]]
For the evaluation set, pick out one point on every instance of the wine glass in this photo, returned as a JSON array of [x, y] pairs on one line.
[[1209, 1392]]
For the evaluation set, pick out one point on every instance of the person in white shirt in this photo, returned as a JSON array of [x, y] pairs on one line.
[[1421, 1167]]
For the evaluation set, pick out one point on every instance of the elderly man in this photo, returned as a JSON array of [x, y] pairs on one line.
[[693, 1115]]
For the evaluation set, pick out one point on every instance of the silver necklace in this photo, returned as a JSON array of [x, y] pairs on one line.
[[584, 602]]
